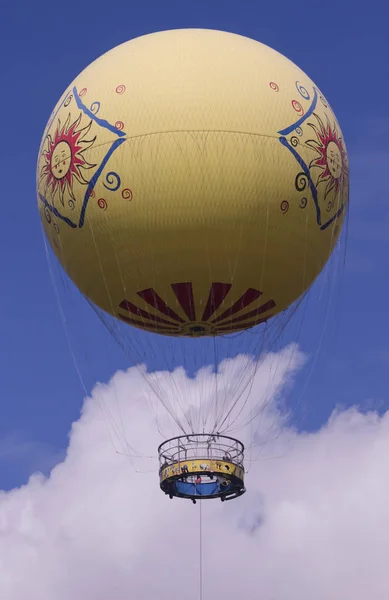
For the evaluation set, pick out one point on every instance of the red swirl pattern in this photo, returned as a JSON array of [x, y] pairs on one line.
[[127, 194], [297, 107]]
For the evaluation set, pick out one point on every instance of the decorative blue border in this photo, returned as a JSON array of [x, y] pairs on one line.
[[102, 123], [304, 166], [91, 115], [56, 213]]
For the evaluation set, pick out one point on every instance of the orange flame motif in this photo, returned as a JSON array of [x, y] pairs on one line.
[[64, 159]]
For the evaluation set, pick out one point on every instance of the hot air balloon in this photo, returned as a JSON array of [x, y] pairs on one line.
[[193, 184]]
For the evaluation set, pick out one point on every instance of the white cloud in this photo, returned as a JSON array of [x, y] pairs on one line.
[[313, 524]]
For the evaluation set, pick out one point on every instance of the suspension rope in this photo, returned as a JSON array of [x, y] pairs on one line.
[[201, 553]]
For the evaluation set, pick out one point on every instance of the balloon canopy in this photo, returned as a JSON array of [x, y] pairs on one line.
[[192, 182]]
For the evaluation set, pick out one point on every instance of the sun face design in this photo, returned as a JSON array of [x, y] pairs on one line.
[[331, 159], [64, 160]]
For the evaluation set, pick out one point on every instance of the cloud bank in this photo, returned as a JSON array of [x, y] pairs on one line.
[[314, 523]]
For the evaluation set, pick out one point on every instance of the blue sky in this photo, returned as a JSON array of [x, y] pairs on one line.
[[43, 47]]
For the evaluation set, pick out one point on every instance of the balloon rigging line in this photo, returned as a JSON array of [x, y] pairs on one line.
[[67, 336]]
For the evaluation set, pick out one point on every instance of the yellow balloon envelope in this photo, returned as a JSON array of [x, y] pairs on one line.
[[192, 182]]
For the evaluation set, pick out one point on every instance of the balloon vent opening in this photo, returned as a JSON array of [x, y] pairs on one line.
[[197, 329]]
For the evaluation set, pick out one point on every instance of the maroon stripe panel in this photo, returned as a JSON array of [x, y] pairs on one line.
[[160, 328], [248, 298], [152, 298], [243, 325], [127, 305], [253, 313], [184, 295], [216, 296]]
